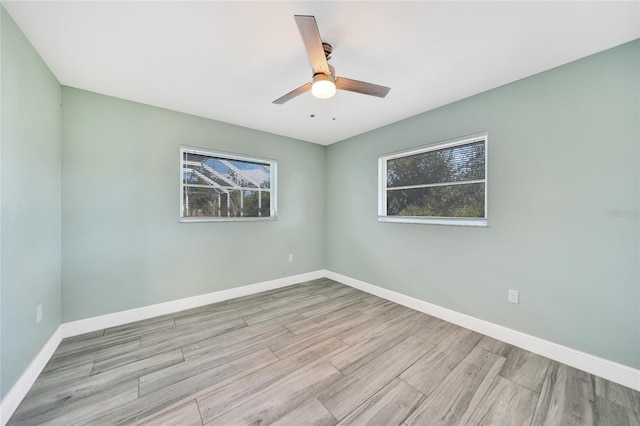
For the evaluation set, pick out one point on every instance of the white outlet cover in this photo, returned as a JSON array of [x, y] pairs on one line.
[[512, 296]]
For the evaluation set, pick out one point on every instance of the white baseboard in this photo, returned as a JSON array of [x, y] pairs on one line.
[[606, 369], [19, 390], [610, 370], [75, 328]]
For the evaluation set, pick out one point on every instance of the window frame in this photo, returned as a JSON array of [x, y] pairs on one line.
[[273, 173], [433, 220]]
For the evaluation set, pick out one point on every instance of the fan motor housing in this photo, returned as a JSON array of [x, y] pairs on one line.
[[332, 73], [324, 77], [327, 50]]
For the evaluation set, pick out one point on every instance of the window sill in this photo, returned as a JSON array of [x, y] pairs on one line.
[[226, 219], [433, 221]]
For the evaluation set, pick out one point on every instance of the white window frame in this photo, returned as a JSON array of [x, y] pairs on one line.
[[382, 183], [273, 173]]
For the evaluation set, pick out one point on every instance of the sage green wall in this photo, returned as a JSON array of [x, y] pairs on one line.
[[123, 245], [30, 178], [563, 149]]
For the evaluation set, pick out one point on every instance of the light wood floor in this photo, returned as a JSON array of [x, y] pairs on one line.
[[316, 353]]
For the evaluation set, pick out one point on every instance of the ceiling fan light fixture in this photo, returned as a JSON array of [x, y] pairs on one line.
[[324, 86]]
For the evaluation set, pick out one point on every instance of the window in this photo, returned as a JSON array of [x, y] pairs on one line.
[[216, 186], [443, 183]]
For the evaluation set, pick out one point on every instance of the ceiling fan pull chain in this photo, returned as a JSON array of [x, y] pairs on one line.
[[334, 108]]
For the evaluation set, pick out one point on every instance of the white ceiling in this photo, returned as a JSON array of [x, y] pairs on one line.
[[229, 60]]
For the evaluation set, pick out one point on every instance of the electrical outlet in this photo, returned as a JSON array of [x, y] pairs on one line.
[[38, 313], [290, 258], [512, 296]]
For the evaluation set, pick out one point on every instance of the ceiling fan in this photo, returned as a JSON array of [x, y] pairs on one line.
[[325, 82]]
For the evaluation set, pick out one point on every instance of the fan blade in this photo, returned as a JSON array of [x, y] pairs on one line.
[[362, 87], [299, 91], [312, 42]]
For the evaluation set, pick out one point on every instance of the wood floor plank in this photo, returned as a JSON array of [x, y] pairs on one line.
[[360, 354], [295, 302], [218, 315], [72, 411], [333, 304], [506, 403], [342, 291], [187, 334], [232, 338], [495, 346], [456, 398], [619, 394], [90, 356], [436, 330], [230, 306], [289, 308], [185, 415], [439, 361], [156, 343], [525, 368], [287, 347], [147, 405], [83, 336], [387, 309], [389, 406], [91, 345], [378, 303], [93, 385], [273, 316], [611, 414], [567, 398], [378, 325], [230, 396], [140, 328], [63, 376], [205, 361], [106, 363], [363, 331], [306, 288], [349, 392], [138, 368], [311, 325], [311, 413], [280, 398], [319, 286]]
